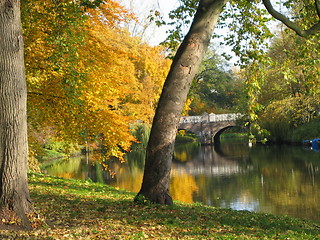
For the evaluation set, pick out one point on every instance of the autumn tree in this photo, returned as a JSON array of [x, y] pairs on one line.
[[183, 69], [290, 91], [78, 91], [151, 68], [14, 194], [294, 61], [283, 82], [76, 68]]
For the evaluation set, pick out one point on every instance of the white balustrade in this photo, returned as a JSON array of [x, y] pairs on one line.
[[210, 117]]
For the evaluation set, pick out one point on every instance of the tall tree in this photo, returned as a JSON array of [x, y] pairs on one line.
[[286, 86], [184, 67], [14, 194]]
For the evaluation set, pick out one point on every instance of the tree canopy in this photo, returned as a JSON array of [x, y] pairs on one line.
[[215, 88], [87, 77]]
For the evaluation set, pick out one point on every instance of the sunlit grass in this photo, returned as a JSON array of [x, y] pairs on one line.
[[84, 210]]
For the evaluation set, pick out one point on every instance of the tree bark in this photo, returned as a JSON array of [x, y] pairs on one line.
[[14, 193], [292, 25], [156, 179]]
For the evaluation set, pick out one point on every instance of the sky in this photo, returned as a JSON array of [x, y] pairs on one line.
[[153, 35]]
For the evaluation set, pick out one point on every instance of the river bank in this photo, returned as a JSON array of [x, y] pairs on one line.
[[85, 210]]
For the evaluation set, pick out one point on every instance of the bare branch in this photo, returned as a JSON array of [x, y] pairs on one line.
[[292, 25]]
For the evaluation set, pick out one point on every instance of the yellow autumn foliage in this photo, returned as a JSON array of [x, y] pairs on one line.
[[88, 79]]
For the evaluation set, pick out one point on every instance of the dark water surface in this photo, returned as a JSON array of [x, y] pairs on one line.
[[283, 180]]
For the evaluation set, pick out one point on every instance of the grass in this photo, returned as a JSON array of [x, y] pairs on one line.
[[85, 210], [50, 154]]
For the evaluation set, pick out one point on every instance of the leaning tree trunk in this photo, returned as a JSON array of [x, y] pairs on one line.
[[185, 65], [14, 193]]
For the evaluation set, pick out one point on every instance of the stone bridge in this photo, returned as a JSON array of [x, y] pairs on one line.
[[208, 126]]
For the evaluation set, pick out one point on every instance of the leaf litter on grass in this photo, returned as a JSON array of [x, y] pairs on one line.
[[84, 210]]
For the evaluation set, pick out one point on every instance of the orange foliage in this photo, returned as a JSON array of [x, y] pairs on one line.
[[151, 69], [87, 77], [109, 14]]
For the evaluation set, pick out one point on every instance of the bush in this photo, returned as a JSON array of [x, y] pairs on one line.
[[279, 131], [307, 131], [292, 119], [185, 139], [282, 132], [141, 131]]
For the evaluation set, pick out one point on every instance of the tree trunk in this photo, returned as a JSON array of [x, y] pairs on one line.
[[14, 193], [156, 179]]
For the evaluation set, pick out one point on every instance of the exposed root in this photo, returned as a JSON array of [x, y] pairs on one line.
[[164, 198]]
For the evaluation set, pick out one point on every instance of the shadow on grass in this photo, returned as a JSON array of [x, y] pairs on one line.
[[86, 209]]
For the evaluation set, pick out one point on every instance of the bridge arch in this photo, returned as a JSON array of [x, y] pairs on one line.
[[216, 137], [208, 127]]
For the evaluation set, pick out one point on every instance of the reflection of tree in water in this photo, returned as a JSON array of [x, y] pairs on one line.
[[183, 187], [233, 149], [185, 152], [66, 168], [127, 175], [280, 180], [290, 181], [205, 160], [214, 173], [225, 190], [96, 172]]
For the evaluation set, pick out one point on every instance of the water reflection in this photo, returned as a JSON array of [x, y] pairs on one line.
[[271, 179]]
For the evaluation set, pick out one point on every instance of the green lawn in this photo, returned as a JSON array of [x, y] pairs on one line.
[[85, 210]]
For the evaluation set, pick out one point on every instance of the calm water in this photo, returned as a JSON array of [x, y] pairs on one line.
[[271, 179]]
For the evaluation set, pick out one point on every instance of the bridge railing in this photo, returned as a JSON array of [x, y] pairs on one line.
[[190, 119], [224, 117], [210, 118]]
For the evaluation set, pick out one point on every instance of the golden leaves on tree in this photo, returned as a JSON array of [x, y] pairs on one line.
[[87, 77]]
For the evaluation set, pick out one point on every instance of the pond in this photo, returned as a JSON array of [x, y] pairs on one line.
[[282, 180]]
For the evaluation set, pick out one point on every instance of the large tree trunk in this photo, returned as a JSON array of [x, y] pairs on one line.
[[185, 65], [14, 193]]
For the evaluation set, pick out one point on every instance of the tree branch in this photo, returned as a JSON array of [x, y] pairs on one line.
[[317, 3], [47, 96], [292, 25]]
